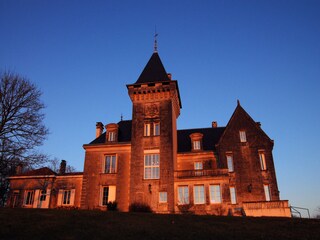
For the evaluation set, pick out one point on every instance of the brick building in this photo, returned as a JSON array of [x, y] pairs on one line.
[[216, 170]]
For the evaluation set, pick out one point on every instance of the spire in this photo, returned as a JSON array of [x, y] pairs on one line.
[[155, 40]]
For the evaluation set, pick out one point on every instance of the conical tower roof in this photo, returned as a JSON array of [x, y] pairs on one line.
[[154, 71]]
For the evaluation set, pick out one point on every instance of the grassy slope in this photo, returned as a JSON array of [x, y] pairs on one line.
[[64, 224]]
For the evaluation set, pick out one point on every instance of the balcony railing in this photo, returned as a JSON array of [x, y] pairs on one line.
[[201, 173]]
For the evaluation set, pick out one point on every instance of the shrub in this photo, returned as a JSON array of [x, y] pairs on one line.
[[139, 207], [112, 206]]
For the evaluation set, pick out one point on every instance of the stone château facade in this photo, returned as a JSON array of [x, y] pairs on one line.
[[146, 160]]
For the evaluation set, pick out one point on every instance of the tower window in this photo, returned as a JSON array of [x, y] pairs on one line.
[[151, 166], [156, 129], [147, 127], [267, 192]]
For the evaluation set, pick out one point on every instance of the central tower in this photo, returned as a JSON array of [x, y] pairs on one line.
[[156, 107]]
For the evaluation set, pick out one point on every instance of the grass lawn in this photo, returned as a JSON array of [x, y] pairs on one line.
[[80, 224]]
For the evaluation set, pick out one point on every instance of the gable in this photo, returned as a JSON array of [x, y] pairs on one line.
[[242, 121]]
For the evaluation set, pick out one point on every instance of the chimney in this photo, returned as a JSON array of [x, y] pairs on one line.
[[169, 75], [99, 129], [19, 169], [63, 166], [214, 124]]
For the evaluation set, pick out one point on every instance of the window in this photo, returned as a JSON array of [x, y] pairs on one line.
[[198, 167], [243, 137], [66, 197], [262, 161], [199, 194], [43, 195], [196, 145], [156, 129], [108, 194], [183, 195], [230, 163], [29, 197], [151, 166], [267, 192], [112, 137], [110, 164], [215, 194], [233, 195], [147, 127], [163, 196]]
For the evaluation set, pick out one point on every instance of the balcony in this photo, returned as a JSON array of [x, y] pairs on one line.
[[201, 173]]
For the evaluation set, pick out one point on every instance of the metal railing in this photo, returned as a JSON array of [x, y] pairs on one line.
[[201, 173], [295, 210]]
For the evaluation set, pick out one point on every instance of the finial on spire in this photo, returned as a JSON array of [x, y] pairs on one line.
[[155, 40]]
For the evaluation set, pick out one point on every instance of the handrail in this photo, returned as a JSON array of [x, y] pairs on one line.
[[294, 209]]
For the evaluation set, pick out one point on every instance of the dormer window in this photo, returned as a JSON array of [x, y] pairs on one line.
[[112, 132], [196, 145], [243, 137], [196, 141], [112, 136]]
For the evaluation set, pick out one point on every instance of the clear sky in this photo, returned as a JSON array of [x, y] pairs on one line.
[[81, 54]]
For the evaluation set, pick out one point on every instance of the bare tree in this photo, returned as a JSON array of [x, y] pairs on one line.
[[21, 126]]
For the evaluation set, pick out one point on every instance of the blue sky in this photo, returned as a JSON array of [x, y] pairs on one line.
[[81, 54]]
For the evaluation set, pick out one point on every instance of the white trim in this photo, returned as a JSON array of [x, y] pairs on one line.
[[150, 151]]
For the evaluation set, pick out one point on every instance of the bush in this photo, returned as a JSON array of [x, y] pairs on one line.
[[112, 206], [139, 207]]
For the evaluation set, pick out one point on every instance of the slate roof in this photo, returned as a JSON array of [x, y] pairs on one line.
[[211, 137], [154, 71], [124, 134]]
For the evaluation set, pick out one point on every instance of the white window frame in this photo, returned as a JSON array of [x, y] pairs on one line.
[[215, 193], [243, 136], [28, 197], [183, 195], [112, 137], [147, 130], [196, 145], [66, 197], [230, 162], [43, 195], [262, 159], [199, 196], [156, 129], [267, 192], [163, 197], [233, 195], [111, 195], [112, 168], [152, 166]]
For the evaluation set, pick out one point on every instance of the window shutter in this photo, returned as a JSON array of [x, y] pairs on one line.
[[59, 202], [36, 198], [25, 197], [73, 191], [112, 194], [45, 204]]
